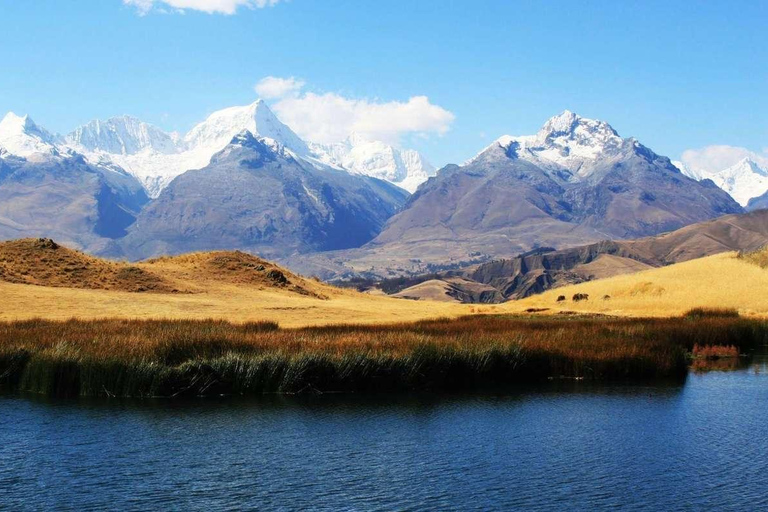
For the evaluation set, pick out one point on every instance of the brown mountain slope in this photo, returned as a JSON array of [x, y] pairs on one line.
[[744, 232], [540, 270], [519, 194]]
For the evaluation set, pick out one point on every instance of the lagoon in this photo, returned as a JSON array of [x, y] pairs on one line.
[[686, 445]]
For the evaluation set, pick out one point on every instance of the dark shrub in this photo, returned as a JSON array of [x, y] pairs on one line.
[[712, 313]]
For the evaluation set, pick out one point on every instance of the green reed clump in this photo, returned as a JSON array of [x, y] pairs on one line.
[[179, 358]]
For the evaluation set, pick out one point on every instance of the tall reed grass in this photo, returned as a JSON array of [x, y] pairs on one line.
[[176, 358]]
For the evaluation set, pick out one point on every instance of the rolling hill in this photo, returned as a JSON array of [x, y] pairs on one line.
[[720, 281], [42, 279]]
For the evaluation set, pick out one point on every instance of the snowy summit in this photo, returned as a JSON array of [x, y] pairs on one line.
[[743, 181], [566, 141], [20, 136], [405, 168]]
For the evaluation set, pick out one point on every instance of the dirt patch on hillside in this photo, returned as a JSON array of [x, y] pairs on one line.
[[43, 262]]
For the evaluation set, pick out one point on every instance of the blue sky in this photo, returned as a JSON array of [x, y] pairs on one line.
[[676, 75]]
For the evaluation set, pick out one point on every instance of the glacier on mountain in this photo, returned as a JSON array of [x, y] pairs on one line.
[[20, 136], [405, 168], [124, 135], [743, 181]]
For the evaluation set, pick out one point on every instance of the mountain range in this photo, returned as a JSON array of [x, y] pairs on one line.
[[155, 157], [242, 179], [576, 181]]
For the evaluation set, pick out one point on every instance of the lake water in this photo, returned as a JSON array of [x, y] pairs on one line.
[[697, 445]]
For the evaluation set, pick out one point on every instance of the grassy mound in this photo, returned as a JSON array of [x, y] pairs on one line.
[[233, 267], [43, 262]]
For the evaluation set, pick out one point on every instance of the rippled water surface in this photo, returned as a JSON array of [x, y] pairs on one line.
[[697, 445]]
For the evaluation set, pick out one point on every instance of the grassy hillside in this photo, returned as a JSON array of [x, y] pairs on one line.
[[40, 279], [721, 281]]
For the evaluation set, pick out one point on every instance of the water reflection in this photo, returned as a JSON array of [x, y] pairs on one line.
[[697, 444]]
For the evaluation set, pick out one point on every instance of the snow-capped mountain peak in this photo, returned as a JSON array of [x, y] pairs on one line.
[[743, 180], [748, 166], [573, 127], [20, 136], [221, 126], [566, 141], [575, 142], [155, 157], [122, 135]]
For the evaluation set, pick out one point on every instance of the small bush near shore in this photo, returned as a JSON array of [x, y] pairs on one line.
[[714, 351], [176, 358]]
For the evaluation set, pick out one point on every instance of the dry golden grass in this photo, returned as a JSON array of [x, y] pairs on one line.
[[720, 281], [221, 301], [40, 280], [240, 288], [759, 257]]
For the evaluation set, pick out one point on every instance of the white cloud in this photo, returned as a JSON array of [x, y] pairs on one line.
[[716, 158], [331, 117], [209, 6], [272, 87]]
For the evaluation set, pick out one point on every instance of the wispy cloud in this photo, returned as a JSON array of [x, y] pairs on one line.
[[272, 87], [209, 6], [720, 157], [330, 117]]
